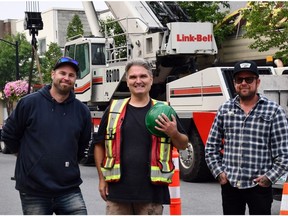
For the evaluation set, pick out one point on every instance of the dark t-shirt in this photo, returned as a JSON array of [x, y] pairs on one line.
[[135, 184]]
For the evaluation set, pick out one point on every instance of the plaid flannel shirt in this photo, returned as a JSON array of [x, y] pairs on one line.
[[254, 144]]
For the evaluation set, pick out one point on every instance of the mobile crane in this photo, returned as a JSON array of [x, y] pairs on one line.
[[176, 49]]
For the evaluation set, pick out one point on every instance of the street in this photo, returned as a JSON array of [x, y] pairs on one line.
[[196, 198]]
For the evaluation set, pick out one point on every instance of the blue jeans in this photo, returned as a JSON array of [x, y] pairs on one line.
[[68, 204]]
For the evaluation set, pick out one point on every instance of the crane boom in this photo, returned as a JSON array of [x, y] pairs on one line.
[[92, 18], [138, 14]]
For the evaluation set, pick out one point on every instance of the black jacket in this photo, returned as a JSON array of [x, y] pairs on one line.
[[50, 139]]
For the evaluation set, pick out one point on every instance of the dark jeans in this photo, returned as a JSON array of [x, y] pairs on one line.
[[234, 200], [68, 204]]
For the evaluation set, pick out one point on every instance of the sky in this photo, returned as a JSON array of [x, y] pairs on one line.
[[16, 9]]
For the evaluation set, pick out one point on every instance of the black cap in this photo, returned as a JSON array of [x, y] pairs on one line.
[[246, 65], [67, 60]]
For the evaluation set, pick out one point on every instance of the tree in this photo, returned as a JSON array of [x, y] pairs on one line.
[[112, 29], [48, 61], [209, 11], [75, 27], [7, 61], [266, 23], [7, 58]]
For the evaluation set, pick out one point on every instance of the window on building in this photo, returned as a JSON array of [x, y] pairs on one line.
[[42, 46]]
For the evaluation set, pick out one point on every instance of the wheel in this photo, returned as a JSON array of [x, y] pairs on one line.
[[192, 164], [4, 148]]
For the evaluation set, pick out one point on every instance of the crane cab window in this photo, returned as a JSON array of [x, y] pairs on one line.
[[80, 53], [69, 50], [82, 56], [98, 54]]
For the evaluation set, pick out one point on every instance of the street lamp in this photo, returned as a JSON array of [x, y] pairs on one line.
[[17, 56]]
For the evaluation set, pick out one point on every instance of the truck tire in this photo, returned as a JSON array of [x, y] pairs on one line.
[[192, 164], [4, 148]]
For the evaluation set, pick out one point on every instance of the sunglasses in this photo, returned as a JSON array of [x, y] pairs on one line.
[[248, 80], [67, 59]]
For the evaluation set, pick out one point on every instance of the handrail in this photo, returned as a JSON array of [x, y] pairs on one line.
[[114, 54]]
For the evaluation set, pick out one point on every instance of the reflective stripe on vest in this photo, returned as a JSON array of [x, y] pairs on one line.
[[111, 163], [162, 167]]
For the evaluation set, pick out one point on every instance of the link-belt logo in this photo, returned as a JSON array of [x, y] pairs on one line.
[[194, 38]]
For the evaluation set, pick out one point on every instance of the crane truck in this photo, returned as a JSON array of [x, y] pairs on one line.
[[181, 54]]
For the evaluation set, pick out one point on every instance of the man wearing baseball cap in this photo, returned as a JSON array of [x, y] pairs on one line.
[[246, 66], [254, 133], [68, 61], [50, 130]]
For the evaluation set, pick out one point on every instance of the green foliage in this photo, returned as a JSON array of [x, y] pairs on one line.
[[8, 64], [209, 11], [49, 60], [111, 28], [75, 27], [267, 26], [204, 11], [8, 58]]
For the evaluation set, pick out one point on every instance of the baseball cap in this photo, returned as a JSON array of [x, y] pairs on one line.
[[67, 60], [246, 65]]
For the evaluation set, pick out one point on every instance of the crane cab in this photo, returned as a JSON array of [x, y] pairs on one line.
[[90, 53]]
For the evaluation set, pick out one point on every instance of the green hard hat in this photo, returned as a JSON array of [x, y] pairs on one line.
[[153, 114]]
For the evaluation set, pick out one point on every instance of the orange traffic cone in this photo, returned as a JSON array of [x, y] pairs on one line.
[[174, 187], [284, 201]]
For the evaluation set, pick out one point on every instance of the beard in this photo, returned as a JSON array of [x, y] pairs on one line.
[[247, 96], [63, 89]]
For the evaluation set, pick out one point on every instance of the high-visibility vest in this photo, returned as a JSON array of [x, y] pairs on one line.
[[162, 167]]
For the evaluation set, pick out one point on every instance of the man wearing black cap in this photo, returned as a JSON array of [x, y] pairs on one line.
[[49, 130], [254, 134]]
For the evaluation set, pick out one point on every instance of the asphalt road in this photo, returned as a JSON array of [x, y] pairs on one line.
[[196, 198]]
